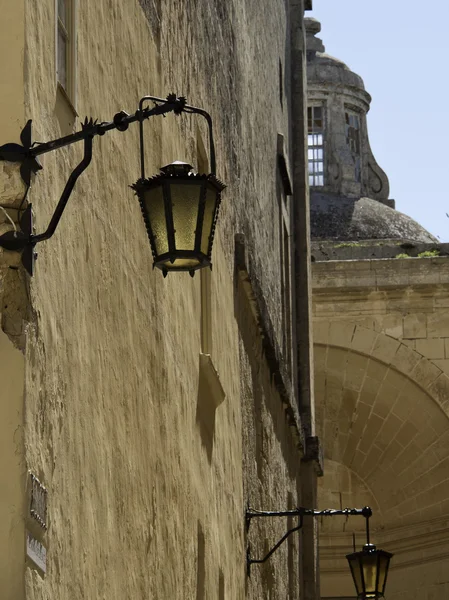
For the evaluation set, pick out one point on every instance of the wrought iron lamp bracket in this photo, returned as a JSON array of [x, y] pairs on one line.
[[27, 155], [299, 512]]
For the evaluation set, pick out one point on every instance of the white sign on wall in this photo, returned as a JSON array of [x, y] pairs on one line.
[[37, 552]]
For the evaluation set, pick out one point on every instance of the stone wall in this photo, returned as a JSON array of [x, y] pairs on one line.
[[273, 446], [149, 449], [382, 410]]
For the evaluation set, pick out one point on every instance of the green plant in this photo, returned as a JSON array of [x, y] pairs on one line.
[[429, 253], [402, 255], [347, 245]]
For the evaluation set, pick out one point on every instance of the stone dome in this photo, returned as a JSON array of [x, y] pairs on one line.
[[340, 218], [349, 192], [322, 67]]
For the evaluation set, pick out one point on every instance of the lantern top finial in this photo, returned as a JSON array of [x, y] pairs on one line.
[[177, 168]]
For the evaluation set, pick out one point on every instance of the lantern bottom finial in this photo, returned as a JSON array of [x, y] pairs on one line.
[[187, 260]]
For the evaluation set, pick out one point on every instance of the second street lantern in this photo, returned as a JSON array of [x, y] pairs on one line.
[[180, 210], [369, 570]]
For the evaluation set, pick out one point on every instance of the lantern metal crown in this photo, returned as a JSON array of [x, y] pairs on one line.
[[179, 207]]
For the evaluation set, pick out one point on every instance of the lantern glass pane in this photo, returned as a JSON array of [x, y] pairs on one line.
[[185, 201], [369, 566], [356, 572], [209, 210], [154, 201], [384, 561]]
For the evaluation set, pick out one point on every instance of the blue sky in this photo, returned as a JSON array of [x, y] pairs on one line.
[[401, 50]]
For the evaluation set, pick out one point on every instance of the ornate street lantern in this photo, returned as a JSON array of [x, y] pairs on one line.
[[369, 569], [180, 210], [180, 207]]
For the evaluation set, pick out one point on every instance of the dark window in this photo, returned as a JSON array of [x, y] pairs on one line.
[[315, 143], [286, 299]]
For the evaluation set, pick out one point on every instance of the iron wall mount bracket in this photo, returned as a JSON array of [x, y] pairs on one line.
[[299, 512], [26, 154]]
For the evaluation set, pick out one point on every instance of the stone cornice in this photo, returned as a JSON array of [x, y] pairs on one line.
[[270, 348], [380, 273]]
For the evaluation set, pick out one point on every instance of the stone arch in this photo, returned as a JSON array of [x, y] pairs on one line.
[[382, 413]]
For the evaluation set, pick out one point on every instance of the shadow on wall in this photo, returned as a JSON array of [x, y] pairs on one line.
[[221, 586], [201, 565], [205, 414]]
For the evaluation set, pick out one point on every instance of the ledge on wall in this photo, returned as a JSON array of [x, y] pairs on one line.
[[212, 379], [271, 351]]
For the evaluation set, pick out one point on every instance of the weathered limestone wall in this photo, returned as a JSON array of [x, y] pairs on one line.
[[382, 410], [273, 448], [12, 310], [143, 464], [13, 472], [12, 91]]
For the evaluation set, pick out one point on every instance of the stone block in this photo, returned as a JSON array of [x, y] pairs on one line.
[[406, 433], [319, 360], [358, 461], [363, 340], [336, 361], [440, 472], [410, 343], [341, 333], [442, 364], [361, 418], [357, 361], [415, 325], [442, 302], [405, 360], [418, 485], [320, 331], [385, 400], [401, 459], [440, 445], [376, 370], [425, 373], [354, 379], [440, 391], [392, 325], [347, 408], [409, 506], [385, 348], [351, 447], [390, 456], [420, 464], [372, 429], [438, 324], [431, 347], [395, 379], [370, 390], [433, 495], [372, 460], [391, 426]]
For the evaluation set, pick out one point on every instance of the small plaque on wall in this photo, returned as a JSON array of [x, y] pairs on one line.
[[38, 502], [37, 552]]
